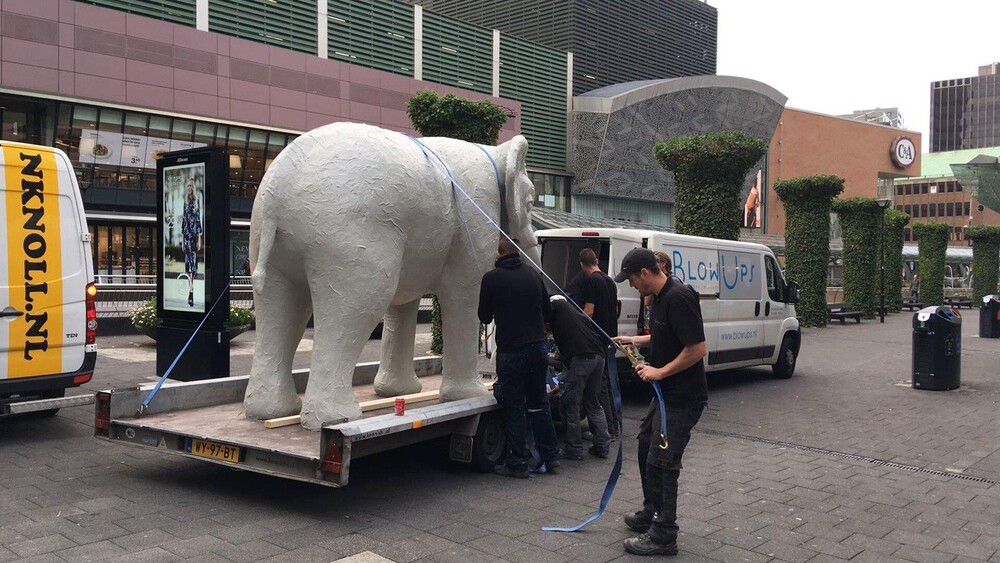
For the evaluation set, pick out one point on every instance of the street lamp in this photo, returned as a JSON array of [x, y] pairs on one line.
[[883, 204]]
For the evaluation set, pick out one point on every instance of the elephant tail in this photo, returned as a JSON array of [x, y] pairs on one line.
[[263, 229]]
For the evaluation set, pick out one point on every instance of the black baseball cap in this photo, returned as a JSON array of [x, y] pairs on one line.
[[635, 260]]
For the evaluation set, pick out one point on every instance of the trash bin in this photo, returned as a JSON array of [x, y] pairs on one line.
[[989, 317], [937, 349]]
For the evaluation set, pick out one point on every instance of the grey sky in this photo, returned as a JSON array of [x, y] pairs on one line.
[[836, 57]]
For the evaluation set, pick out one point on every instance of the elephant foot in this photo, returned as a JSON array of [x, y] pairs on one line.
[[455, 389], [264, 406], [315, 413], [393, 385]]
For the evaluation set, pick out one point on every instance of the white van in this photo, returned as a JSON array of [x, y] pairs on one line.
[[747, 307], [48, 316]]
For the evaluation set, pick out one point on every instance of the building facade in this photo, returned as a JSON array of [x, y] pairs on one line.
[[615, 129], [937, 195], [611, 42], [807, 143], [965, 112], [133, 77]]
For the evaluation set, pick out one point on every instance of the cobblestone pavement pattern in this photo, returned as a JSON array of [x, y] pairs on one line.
[[845, 461]]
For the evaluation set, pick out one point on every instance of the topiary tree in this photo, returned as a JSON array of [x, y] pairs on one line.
[[709, 171], [932, 241], [859, 221], [458, 118], [985, 259], [892, 256], [807, 239]]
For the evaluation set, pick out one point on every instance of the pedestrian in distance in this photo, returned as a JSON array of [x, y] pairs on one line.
[[582, 352], [676, 348], [598, 297], [514, 295]]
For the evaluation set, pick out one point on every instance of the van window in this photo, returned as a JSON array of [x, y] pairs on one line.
[[561, 258], [775, 283]]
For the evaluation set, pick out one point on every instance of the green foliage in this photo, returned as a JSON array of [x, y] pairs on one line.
[[859, 220], [807, 239], [985, 259], [895, 221], [709, 171], [144, 315], [437, 341], [932, 241], [456, 117]]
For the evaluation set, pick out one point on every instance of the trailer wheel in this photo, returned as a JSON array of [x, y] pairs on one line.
[[489, 443]]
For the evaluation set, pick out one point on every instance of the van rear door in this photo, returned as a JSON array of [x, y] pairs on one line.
[[44, 265]]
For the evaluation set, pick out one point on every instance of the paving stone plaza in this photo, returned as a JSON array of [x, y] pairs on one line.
[[845, 461]]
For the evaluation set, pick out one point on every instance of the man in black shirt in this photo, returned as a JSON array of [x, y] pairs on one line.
[[515, 296], [677, 346], [582, 352], [599, 299]]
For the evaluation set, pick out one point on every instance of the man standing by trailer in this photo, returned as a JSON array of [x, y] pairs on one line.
[[515, 296], [676, 348], [598, 298]]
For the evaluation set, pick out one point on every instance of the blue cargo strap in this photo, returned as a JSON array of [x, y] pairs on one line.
[[166, 374]]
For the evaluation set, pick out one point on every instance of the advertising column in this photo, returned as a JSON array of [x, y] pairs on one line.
[[192, 292]]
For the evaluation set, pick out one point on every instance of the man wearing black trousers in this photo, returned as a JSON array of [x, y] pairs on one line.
[[676, 348], [514, 295]]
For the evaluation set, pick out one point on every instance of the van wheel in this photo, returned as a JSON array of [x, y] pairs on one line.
[[785, 366], [489, 443]]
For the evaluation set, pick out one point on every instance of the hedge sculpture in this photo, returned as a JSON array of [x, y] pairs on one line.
[[709, 171], [859, 220], [458, 118], [895, 221], [807, 239], [985, 259], [932, 241]]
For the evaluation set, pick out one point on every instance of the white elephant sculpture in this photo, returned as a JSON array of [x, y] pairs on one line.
[[353, 223]]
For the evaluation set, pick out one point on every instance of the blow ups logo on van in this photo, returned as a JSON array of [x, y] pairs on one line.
[[34, 255], [732, 275]]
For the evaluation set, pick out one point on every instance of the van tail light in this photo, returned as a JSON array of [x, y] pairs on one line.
[[591, 234], [91, 313], [82, 378], [332, 460], [102, 419]]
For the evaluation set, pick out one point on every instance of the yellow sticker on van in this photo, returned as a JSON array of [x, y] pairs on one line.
[[34, 251]]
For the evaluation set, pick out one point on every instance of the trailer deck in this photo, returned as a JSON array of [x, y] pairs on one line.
[[205, 420]]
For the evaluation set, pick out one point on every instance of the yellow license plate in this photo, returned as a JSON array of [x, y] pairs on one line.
[[215, 450]]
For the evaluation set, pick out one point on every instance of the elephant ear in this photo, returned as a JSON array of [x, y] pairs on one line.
[[519, 189]]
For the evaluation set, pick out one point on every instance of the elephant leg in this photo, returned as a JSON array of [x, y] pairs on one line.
[[460, 331], [395, 370], [281, 320], [345, 313]]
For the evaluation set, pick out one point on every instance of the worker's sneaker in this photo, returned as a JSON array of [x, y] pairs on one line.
[[508, 472], [644, 545], [639, 521]]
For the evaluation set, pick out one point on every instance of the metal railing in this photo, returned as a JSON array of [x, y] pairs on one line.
[[118, 294]]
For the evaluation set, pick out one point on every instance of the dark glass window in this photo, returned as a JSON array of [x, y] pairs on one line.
[[950, 209]]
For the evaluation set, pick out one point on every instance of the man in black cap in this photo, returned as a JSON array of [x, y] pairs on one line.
[[677, 346], [515, 296]]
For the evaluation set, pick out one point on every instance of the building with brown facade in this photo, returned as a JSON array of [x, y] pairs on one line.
[[937, 195], [870, 157]]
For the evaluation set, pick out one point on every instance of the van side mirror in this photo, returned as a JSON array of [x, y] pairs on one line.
[[792, 292]]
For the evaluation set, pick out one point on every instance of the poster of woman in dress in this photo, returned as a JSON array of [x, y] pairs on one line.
[[184, 238], [751, 209]]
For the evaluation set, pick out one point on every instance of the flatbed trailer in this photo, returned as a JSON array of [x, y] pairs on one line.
[[204, 420]]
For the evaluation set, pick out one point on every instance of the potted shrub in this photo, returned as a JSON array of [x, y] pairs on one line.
[[144, 318]]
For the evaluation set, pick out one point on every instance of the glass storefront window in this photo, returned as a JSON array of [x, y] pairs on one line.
[[551, 191]]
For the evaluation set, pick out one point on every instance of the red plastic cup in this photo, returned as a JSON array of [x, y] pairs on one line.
[[400, 406]]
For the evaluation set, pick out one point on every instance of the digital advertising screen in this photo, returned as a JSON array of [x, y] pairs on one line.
[[184, 242]]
